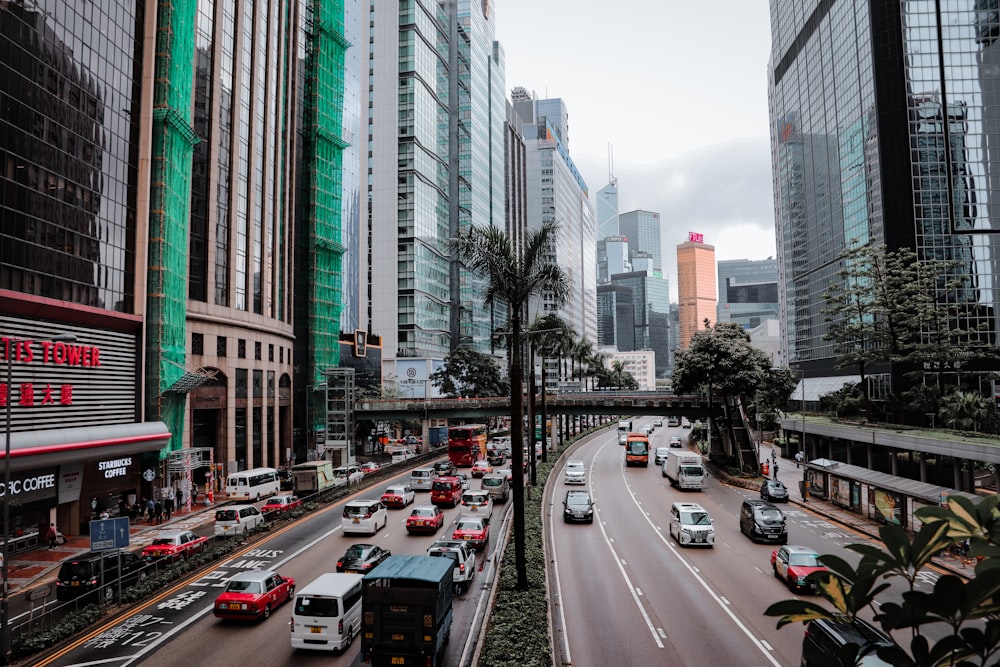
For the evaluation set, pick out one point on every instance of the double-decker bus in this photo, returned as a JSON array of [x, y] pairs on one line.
[[467, 444]]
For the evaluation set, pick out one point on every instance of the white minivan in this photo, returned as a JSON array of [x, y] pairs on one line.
[[364, 516], [236, 520], [327, 612]]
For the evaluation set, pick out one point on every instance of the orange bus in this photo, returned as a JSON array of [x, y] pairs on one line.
[[467, 444], [637, 450]]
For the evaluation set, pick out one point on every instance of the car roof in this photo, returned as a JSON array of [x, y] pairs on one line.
[[363, 501], [574, 462], [799, 549], [252, 575], [760, 503], [170, 533], [692, 507], [396, 486], [423, 507]]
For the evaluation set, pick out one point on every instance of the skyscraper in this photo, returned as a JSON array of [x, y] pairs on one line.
[[642, 229], [696, 292], [607, 210], [435, 126], [748, 291], [557, 193], [871, 145]]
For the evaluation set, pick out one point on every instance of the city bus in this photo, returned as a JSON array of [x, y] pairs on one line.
[[467, 444], [637, 450], [252, 484]]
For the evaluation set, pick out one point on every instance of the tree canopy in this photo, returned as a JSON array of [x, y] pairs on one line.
[[722, 357], [467, 373]]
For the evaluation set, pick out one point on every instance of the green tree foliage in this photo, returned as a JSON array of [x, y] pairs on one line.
[[467, 373], [888, 306], [968, 612], [967, 411], [721, 357], [615, 377], [514, 275]]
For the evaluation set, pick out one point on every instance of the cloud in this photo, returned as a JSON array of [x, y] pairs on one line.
[[722, 191]]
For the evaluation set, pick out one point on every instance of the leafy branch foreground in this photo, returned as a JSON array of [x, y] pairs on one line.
[[968, 609]]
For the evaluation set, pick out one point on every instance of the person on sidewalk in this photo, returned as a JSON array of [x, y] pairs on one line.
[[168, 504], [799, 457], [150, 510], [158, 512], [775, 467], [180, 499], [52, 536]]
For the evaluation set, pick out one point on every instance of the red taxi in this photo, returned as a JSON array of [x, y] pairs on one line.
[[794, 564], [253, 595], [474, 531], [482, 467], [424, 519], [283, 503], [174, 545]]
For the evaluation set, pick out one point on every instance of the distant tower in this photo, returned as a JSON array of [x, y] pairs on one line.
[[607, 203], [696, 288]]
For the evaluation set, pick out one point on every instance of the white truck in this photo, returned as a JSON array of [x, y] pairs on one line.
[[684, 470], [624, 428]]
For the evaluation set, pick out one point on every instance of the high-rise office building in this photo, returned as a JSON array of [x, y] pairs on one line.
[[607, 210], [557, 193], [642, 229], [748, 291], [696, 292], [650, 312], [615, 317], [885, 128], [436, 128]]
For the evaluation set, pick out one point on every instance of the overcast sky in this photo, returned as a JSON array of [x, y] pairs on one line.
[[678, 90]]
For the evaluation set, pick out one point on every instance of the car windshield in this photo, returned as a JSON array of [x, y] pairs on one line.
[[776, 486], [475, 498], [78, 569], [691, 470], [769, 514], [445, 554], [357, 551], [394, 491], [804, 560], [696, 518], [422, 512], [225, 515], [160, 541], [578, 499], [469, 525], [321, 607], [356, 509], [575, 467], [442, 486], [492, 481], [662, 451], [637, 447], [243, 587]]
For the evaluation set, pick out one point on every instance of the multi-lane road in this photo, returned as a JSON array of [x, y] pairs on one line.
[[177, 627], [624, 592]]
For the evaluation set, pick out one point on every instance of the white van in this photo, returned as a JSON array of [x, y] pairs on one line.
[[237, 520], [327, 612], [421, 479], [364, 516]]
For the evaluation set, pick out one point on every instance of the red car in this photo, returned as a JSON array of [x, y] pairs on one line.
[[174, 545], [424, 519], [794, 564], [370, 467], [253, 595], [474, 531], [283, 503], [480, 468]]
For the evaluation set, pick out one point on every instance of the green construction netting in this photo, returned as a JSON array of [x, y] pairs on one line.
[[170, 198]]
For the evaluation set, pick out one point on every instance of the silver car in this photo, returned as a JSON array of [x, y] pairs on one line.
[[575, 472]]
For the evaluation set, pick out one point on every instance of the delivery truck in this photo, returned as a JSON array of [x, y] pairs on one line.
[[684, 470], [407, 611]]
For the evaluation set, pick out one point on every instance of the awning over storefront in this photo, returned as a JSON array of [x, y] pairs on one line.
[[33, 449]]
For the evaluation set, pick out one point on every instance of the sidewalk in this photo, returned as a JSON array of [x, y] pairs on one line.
[[41, 564], [790, 475]]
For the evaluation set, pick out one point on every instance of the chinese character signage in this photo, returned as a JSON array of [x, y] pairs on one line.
[[696, 237]]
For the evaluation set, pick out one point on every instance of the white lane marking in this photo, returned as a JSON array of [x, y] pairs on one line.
[[765, 650]]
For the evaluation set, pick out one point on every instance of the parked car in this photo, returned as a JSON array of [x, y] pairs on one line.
[[398, 495], [85, 575], [773, 491], [480, 468], [578, 506], [285, 502], [361, 558], [794, 564], [174, 545], [253, 595], [424, 519], [475, 531]]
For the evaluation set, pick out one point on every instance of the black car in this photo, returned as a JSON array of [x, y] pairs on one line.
[[85, 576], [578, 506], [829, 638], [773, 491], [361, 558], [444, 468]]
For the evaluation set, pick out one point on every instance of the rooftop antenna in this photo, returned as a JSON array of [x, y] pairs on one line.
[[611, 166]]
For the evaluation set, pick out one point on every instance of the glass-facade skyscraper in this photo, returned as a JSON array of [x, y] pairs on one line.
[[642, 229], [748, 291], [885, 129]]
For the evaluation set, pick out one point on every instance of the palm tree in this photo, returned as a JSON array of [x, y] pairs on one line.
[[967, 411], [513, 276]]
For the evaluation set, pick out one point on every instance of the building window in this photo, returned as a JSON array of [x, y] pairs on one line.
[[198, 344], [241, 383], [270, 352], [256, 350], [220, 346], [241, 349]]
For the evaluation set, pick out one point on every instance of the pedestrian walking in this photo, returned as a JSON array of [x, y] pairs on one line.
[[775, 469], [150, 510], [194, 495], [180, 499], [158, 511], [168, 505], [52, 536], [799, 456]]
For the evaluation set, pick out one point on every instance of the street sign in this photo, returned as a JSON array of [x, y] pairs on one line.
[[108, 534], [39, 593]]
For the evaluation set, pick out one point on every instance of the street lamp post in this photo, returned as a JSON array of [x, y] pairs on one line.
[[13, 345]]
